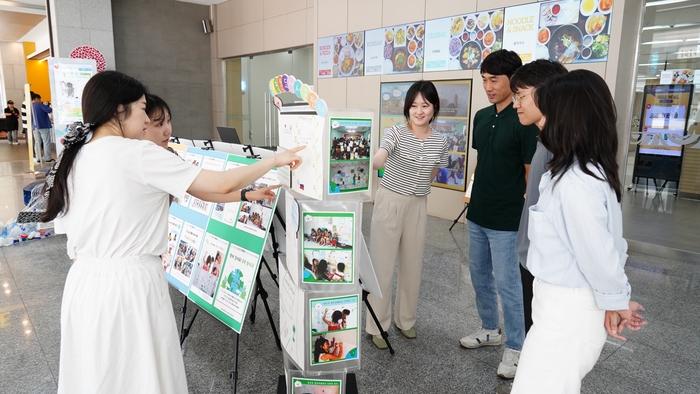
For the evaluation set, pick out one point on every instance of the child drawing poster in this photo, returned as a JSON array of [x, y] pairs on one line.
[[209, 265], [187, 251], [226, 212], [334, 329], [174, 228], [328, 252], [254, 216], [316, 386], [236, 282]]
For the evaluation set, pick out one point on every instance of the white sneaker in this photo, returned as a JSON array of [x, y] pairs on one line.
[[509, 364], [482, 337]]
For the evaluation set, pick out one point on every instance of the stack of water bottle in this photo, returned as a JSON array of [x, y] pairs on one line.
[[13, 232]]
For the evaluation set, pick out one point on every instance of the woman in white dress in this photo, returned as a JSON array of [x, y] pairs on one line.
[[108, 192]]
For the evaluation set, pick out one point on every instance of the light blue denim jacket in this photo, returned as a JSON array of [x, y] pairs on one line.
[[575, 232]]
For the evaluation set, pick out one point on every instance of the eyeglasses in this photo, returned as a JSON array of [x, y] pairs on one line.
[[517, 98]]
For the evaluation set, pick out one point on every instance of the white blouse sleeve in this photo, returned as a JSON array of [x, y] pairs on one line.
[[165, 171], [586, 224]]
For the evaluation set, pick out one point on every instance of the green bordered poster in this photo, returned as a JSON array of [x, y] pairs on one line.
[[214, 249], [316, 386], [333, 329], [349, 155], [328, 250]]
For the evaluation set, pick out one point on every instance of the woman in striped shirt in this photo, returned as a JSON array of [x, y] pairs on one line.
[[412, 155]]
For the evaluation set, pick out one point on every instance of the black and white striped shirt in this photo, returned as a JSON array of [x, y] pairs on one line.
[[411, 160], [24, 117]]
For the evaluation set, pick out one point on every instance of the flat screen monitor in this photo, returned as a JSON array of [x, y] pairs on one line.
[[228, 134]]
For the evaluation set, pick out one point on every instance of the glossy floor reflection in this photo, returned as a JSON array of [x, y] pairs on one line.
[[664, 357]]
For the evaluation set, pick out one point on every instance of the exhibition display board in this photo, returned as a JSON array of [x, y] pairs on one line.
[[67, 78], [452, 122], [320, 273], [214, 249], [568, 31]]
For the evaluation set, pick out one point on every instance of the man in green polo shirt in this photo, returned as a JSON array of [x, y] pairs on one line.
[[504, 150]]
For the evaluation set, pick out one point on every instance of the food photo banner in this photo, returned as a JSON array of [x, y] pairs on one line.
[[462, 42], [568, 31], [342, 56]]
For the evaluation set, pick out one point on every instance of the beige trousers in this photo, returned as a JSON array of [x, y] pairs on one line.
[[398, 229]]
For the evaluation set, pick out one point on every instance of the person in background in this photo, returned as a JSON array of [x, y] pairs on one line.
[[159, 130], [24, 115], [12, 122], [504, 150], [577, 253], [42, 128], [413, 153], [108, 192]]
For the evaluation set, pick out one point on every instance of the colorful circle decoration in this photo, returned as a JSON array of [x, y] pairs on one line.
[[288, 83], [88, 52]]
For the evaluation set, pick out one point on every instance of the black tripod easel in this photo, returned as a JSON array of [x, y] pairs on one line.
[[185, 331], [385, 335], [259, 290], [466, 205]]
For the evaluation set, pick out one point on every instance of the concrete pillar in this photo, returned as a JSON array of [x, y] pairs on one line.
[[82, 22]]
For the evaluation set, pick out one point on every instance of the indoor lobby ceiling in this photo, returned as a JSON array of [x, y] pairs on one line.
[[17, 18]]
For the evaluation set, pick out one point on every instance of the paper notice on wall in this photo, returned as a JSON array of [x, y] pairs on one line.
[[521, 32]]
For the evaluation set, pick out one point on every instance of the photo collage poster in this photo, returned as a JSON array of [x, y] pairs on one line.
[[211, 256], [350, 155], [328, 250], [316, 386], [452, 122], [333, 329]]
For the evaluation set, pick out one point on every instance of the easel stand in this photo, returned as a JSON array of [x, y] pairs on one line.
[[466, 205], [184, 332], [385, 335]]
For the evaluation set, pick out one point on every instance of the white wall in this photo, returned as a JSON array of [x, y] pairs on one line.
[[14, 72]]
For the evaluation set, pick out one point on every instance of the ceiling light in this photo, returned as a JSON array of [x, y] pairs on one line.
[[652, 64], [693, 39], [661, 42], [664, 2]]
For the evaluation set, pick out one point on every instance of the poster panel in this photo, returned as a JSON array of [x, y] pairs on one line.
[[328, 250], [521, 31], [402, 49], [342, 56], [313, 386], [461, 42], [349, 163], [574, 31], [333, 329], [68, 78], [213, 255], [452, 122]]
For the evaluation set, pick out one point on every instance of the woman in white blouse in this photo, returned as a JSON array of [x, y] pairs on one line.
[[577, 254]]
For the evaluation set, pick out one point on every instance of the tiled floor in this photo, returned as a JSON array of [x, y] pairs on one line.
[[662, 358]]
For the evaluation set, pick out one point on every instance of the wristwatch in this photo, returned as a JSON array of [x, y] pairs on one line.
[[243, 192]]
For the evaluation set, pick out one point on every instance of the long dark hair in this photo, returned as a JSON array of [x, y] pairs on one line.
[[580, 125], [318, 347], [104, 93]]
